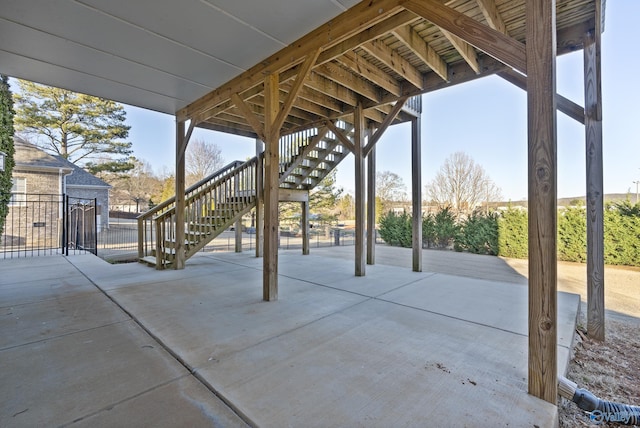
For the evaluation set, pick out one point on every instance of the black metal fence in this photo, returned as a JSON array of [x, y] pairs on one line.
[[48, 224]]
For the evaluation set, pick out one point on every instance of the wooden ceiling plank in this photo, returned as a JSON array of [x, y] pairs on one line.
[[488, 40], [334, 72], [251, 118], [492, 15], [303, 73], [394, 61], [466, 51], [331, 89], [315, 97], [358, 18], [422, 50], [380, 29], [370, 72]]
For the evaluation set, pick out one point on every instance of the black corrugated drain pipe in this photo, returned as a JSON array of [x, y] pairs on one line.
[[601, 411]]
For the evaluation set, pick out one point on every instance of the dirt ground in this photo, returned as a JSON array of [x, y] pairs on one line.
[[610, 370]]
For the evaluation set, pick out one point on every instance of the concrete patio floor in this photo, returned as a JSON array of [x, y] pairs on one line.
[[86, 343]]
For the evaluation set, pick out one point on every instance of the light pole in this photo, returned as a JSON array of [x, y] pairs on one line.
[[636, 183]]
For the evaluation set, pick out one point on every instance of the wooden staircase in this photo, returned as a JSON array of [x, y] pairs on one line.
[[217, 202]]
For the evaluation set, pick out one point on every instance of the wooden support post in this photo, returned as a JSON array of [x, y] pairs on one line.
[[371, 205], [359, 143], [259, 199], [542, 172], [305, 227], [416, 194], [271, 185], [595, 189], [238, 236], [181, 147]]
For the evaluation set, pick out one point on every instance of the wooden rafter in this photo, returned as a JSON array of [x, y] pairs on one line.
[[380, 29], [370, 72], [295, 89], [466, 51], [349, 80], [394, 61], [422, 49], [491, 14], [488, 40], [252, 119]]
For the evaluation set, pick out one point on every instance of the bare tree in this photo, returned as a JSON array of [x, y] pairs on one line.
[[389, 188], [462, 185], [140, 185], [202, 159]]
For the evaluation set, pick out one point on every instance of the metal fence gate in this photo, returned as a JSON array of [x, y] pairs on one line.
[[81, 225], [47, 224]]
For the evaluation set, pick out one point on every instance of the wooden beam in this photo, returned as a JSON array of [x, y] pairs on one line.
[[360, 179], [488, 40], [259, 210], [181, 147], [383, 127], [542, 172], [416, 194], [411, 39], [332, 89], [303, 73], [271, 184], [466, 51], [394, 61], [349, 80], [375, 31], [491, 14], [565, 105], [251, 118], [370, 72], [304, 219], [371, 204], [595, 187], [341, 136], [238, 235], [358, 18]]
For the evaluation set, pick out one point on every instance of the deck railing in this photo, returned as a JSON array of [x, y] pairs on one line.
[[146, 223], [209, 207]]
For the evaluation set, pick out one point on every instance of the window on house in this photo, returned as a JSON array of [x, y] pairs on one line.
[[18, 191]]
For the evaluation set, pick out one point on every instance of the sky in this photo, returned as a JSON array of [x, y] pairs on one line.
[[485, 118]]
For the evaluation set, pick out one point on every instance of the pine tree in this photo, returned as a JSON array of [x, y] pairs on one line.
[[6, 147], [85, 130]]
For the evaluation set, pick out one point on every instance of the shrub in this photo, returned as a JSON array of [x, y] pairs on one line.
[[445, 228], [479, 234], [572, 235], [395, 229], [513, 234]]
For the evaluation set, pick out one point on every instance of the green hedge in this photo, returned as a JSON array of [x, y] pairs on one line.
[[506, 234], [513, 232], [479, 234]]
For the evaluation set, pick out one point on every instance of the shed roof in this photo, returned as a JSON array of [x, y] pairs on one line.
[[31, 157], [80, 177]]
